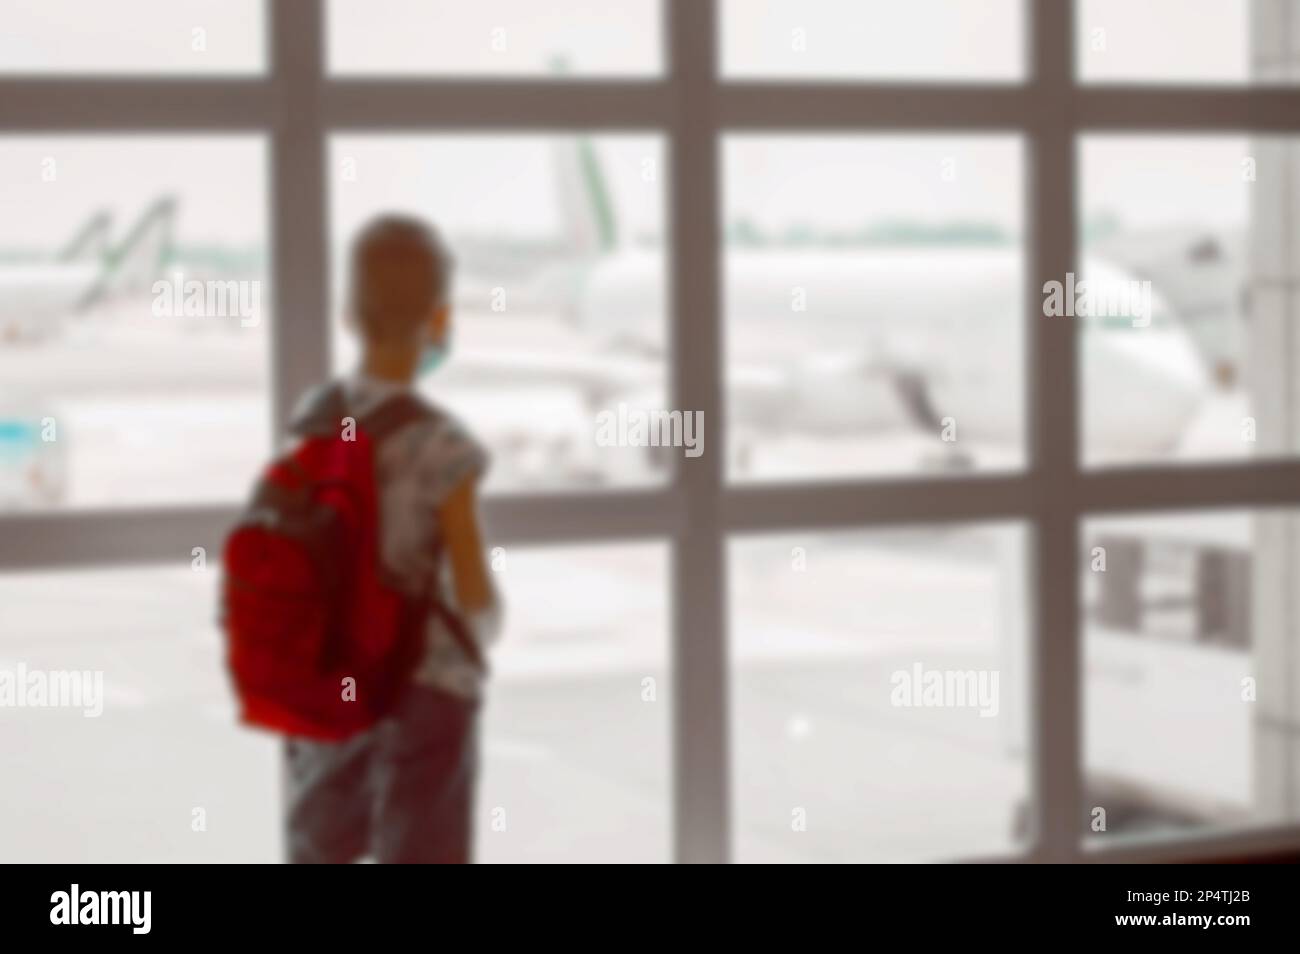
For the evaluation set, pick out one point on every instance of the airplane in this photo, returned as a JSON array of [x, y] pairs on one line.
[[37, 299], [894, 352], [895, 349], [37, 296], [1203, 274]]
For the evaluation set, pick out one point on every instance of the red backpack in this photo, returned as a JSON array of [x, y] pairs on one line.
[[306, 602]]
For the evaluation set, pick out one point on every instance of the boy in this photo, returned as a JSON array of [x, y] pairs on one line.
[[403, 790]]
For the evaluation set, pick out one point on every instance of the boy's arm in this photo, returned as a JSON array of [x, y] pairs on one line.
[[475, 594]]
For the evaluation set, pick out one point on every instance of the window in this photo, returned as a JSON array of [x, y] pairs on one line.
[[147, 768], [1182, 243], [560, 294], [576, 748], [1187, 698], [1228, 42], [830, 230], [834, 637], [133, 37], [135, 327], [873, 290], [554, 40], [928, 40]]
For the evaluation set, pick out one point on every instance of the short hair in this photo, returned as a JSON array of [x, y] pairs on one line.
[[400, 270]]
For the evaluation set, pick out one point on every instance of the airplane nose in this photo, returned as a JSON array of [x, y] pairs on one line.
[[1142, 391], [1186, 371]]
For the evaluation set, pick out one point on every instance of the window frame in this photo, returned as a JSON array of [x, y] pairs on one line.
[[297, 106]]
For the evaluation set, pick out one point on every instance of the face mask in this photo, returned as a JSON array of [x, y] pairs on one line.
[[432, 357]]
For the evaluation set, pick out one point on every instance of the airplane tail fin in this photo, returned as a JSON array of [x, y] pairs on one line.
[[90, 241], [137, 260], [585, 201]]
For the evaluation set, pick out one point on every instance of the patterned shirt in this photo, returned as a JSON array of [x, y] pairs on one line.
[[419, 467]]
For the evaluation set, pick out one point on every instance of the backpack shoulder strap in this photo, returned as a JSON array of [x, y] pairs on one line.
[[320, 411], [394, 414]]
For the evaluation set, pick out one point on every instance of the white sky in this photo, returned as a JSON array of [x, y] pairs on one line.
[[1166, 40], [848, 181], [605, 37], [486, 185], [221, 182], [1152, 182], [131, 36], [838, 39]]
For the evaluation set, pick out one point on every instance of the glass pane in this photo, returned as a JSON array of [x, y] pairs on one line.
[[873, 39], [133, 320], [872, 722], [576, 746], [1188, 272], [557, 39], [873, 305], [559, 298], [1189, 688], [162, 756], [132, 36], [1188, 41]]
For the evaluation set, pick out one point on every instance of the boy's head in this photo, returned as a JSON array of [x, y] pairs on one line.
[[400, 284]]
